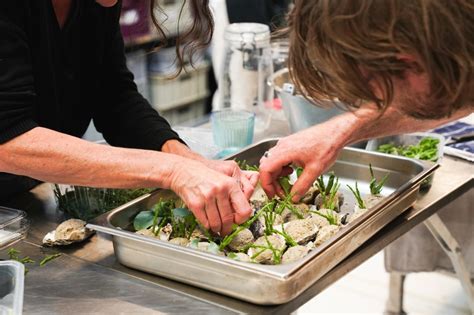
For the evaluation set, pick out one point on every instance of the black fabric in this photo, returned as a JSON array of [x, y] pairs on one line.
[[62, 78], [269, 12]]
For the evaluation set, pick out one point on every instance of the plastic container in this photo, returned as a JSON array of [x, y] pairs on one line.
[[12, 275], [13, 226], [188, 87]]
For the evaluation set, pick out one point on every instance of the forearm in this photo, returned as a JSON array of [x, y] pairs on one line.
[[367, 123], [54, 157]]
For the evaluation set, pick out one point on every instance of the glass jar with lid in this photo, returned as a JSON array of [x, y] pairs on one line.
[[247, 66]]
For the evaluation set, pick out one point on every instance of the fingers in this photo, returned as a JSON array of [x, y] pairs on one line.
[[252, 177], [241, 206], [304, 182], [197, 208], [248, 180], [226, 214], [213, 215]]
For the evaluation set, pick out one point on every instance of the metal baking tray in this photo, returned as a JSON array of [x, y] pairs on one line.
[[265, 284]]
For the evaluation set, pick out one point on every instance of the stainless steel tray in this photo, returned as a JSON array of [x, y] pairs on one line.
[[264, 284]]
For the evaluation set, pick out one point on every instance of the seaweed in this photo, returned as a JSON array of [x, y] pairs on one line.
[[356, 192], [376, 187]]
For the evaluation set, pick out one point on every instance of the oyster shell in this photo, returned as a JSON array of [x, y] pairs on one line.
[[68, 232], [319, 220], [163, 235], [301, 231], [310, 195], [241, 240], [265, 256], [257, 228], [294, 253], [198, 234], [326, 233], [372, 200], [182, 241], [288, 215], [357, 213]]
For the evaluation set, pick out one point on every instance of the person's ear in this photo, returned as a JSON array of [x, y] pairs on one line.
[[107, 3]]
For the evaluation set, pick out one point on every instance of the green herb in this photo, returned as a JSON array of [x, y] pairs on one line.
[[49, 258], [376, 187], [426, 149], [228, 239], [14, 254], [285, 184], [287, 204], [288, 239], [299, 171], [247, 167], [276, 254], [356, 192], [326, 188]]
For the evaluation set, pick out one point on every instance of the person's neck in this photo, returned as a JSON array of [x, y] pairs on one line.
[[61, 9]]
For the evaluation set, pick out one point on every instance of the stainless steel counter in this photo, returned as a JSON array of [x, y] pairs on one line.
[[88, 279]]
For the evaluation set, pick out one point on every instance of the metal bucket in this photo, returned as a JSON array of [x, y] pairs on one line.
[[300, 112]]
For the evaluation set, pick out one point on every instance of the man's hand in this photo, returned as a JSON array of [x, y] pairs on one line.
[[314, 149]]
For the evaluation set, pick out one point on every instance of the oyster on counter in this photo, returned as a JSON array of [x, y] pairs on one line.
[[68, 232]]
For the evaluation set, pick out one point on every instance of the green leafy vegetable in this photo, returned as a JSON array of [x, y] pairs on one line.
[[356, 192], [86, 203], [49, 258], [14, 254], [228, 239], [376, 187], [247, 167], [426, 149], [143, 220], [285, 184]]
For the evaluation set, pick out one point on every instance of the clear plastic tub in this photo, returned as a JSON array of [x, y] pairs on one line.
[[13, 226], [11, 287]]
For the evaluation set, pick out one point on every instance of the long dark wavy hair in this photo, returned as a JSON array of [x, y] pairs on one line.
[[195, 37], [338, 46]]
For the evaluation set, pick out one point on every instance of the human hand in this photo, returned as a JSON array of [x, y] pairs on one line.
[[217, 200], [248, 179], [314, 149]]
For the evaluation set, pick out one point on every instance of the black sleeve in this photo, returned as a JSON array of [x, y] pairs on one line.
[[125, 117], [17, 96]]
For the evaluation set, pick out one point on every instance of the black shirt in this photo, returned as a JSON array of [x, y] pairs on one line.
[[62, 78]]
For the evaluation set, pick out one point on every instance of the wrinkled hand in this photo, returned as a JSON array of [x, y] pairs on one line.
[[217, 200], [315, 149], [248, 179]]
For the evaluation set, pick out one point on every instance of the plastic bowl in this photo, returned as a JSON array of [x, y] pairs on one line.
[[11, 287]]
